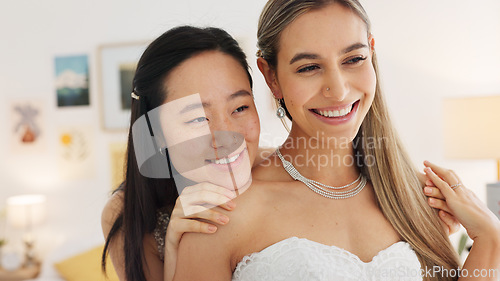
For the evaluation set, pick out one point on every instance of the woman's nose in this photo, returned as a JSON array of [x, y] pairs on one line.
[[225, 143], [336, 86], [227, 139], [223, 133]]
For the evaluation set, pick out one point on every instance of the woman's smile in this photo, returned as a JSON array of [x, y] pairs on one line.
[[230, 162], [335, 111], [336, 115]]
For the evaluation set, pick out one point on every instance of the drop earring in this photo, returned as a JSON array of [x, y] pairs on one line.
[[280, 112]]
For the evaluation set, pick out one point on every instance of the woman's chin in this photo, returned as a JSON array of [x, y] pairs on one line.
[[241, 181]]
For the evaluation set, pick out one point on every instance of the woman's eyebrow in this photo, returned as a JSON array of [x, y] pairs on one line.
[[239, 93], [193, 106], [312, 56], [302, 56], [197, 105], [353, 47]]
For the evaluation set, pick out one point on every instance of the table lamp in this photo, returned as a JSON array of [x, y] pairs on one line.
[[472, 131], [25, 212]]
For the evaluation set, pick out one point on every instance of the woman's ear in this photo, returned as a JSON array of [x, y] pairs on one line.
[[270, 76], [371, 41]]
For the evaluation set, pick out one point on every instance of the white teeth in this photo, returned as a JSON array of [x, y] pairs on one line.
[[225, 160], [335, 113]]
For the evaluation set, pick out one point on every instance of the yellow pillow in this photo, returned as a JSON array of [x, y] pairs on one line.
[[86, 266]]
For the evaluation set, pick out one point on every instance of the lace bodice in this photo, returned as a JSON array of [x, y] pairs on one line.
[[298, 259]]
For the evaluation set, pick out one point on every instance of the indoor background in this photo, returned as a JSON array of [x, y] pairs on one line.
[[428, 50]]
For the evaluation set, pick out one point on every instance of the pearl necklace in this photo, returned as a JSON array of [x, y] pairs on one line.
[[318, 187]]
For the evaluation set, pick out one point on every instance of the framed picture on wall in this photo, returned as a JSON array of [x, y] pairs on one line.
[[117, 63], [72, 80]]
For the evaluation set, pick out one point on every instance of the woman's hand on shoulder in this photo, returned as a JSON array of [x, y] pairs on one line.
[[211, 255], [450, 196], [217, 254], [194, 212]]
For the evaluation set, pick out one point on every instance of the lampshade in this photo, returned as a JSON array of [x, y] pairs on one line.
[[26, 211], [472, 131], [472, 127]]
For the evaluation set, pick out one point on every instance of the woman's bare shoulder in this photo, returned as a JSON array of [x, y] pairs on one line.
[[255, 198], [111, 211], [251, 207], [244, 217], [270, 170]]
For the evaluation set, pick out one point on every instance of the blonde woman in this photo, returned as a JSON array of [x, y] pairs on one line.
[[340, 200]]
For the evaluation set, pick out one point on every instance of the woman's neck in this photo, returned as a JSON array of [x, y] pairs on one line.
[[323, 158]]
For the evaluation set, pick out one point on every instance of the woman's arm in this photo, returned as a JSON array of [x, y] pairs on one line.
[[109, 214], [196, 201], [205, 257], [483, 260], [483, 227], [153, 265]]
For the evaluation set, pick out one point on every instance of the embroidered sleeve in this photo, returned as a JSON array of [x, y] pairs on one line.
[[162, 220]]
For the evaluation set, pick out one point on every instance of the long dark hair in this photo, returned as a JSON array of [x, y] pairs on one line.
[[144, 196]]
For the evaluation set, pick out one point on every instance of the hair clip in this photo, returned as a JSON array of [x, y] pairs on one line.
[[259, 54], [134, 96]]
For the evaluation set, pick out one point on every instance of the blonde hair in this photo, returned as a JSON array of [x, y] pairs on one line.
[[393, 175]]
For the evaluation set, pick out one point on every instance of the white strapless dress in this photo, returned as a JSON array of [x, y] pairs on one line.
[[300, 259]]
